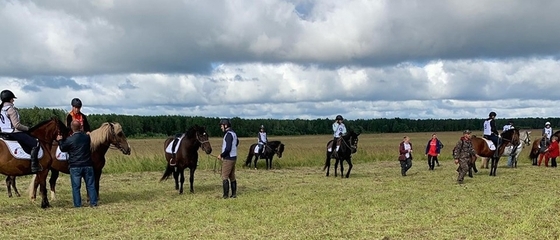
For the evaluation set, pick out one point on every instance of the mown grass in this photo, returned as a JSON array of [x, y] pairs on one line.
[[296, 200]]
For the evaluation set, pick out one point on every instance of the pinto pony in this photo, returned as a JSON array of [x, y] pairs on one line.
[[348, 146], [483, 150], [186, 155], [271, 148], [46, 132]]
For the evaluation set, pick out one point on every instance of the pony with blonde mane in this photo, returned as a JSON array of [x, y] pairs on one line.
[[107, 135]]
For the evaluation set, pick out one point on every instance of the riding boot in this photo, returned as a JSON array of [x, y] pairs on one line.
[[35, 167], [334, 153], [261, 148], [497, 151], [225, 184], [173, 159], [233, 189]]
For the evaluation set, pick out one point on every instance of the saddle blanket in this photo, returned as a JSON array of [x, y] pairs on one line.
[[17, 151], [168, 148], [257, 148], [60, 155], [490, 144]]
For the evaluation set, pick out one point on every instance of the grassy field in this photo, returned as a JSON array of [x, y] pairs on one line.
[[295, 200]]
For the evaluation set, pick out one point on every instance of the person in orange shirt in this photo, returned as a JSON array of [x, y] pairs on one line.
[[553, 152], [76, 114], [432, 151]]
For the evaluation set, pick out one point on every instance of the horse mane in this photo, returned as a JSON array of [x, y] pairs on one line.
[[190, 133], [38, 125], [101, 135]]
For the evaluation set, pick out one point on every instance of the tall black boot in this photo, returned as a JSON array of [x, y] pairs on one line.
[[497, 152], [35, 167], [225, 184], [233, 189], [173, 160]]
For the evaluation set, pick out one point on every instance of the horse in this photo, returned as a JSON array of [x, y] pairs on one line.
[[186, 155], [348, 146], [46, 132], [271, 148], [535, 150], [11, 182], [525, 138], [109, 133], [481, 147]]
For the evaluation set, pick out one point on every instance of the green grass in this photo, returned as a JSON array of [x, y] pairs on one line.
[[296, 201]]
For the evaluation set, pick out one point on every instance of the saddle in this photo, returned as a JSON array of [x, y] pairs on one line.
[[174, 145], [329, 145], [60, 155], [490, 144], [18, 151]]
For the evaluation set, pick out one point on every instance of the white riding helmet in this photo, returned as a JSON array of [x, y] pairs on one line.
[[547, 123]]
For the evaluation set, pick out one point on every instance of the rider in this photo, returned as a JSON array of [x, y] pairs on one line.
[[514, 149], [10, 123], [547, 130], [262, 140], [508, 126], [339, 129], [76, 114], [490, 131]]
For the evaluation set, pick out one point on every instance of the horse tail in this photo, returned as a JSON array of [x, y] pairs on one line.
[[167, 173], [31, 189], [250, 155]]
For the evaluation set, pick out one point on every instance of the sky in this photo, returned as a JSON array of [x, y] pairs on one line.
[[285, 59]]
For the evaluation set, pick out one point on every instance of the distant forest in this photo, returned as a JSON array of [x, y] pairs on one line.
[[161, 126]]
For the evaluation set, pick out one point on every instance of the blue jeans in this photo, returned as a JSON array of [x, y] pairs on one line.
[[76, 175]]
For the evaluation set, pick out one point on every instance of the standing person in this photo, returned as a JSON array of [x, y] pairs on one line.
[[543, 146], [79, 163], [433, 149], [339, 129], [405, 155], [553, 151], [228, 157], [547, 130], [491, 133], [262, 140], [514, 148], [10, 123], [77, 115], [462, 153]]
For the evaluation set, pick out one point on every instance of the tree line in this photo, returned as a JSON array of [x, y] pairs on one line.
[[136, 126]]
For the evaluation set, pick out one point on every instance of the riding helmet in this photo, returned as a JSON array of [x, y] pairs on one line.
[[7, 95], [547, 123], [76, 102], [492, 114], [225, 121], [262, 126], [339, 117]]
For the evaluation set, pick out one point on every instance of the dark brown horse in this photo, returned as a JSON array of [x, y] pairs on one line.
[[481, 147], [109, 133], [186, 155], [348, 146], [46, 132], [271, 148], [11, 182], [536, 150]]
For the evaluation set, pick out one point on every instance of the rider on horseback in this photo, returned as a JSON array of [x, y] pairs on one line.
[[10, 124], [339, 129], [77, 115], [491, 133], [262, 140]]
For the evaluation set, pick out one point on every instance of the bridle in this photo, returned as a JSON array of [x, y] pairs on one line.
[[202, 142]]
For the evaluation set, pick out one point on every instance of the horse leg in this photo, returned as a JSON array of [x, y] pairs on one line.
[[191, 178], [176, 177], [42, 178], [255, 161], [336, 167], [14, 186], [182, 172], [52, 183], [327, 163], [97, 175], [9, 185], [349, 160]]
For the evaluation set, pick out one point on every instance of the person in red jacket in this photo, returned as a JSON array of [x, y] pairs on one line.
[[433, 149], [553, 151]]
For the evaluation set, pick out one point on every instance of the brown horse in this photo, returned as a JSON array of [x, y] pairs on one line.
[[46, 132], [271, 148], [186, 155], [481, 147], [109, 133]]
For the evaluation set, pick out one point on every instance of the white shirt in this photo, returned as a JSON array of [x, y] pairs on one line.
[[338, 129], [487, 127], [407, 147], [548, 132], [507, 127]]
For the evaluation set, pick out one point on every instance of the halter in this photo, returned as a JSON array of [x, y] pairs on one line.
[[200, 141], [114, 137], [273, 150], [352, 146], [527, 140]]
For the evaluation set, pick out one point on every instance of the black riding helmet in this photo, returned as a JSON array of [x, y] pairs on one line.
[[7, 95], [225, 121], [492, 114], [76, 102], [339, 117]]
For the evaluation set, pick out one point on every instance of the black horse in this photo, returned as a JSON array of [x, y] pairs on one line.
[[271, 148], [186, 156], [348, 146]]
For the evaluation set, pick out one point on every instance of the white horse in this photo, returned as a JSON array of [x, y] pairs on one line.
[[525, 138]]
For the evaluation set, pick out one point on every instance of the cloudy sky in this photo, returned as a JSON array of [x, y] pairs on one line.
[[285, 58]]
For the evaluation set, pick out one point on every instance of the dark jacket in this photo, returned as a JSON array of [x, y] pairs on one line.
[[69, 119], [402, 151], [78, 147], [439, 146]]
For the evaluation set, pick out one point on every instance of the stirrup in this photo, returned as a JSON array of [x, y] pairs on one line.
[[171, 163]]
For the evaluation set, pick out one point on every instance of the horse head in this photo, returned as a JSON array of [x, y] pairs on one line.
[[511, 136], [352, 138], [199, 132], [47, 131], [527, 138], [277, 147], [117, 137]]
